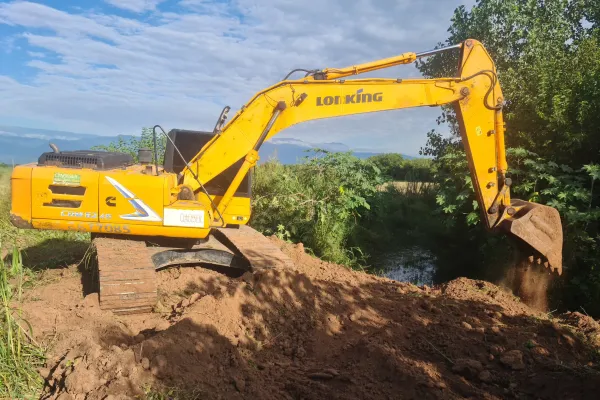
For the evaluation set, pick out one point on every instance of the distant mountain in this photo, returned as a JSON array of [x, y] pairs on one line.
[[291, 151], [23, 145]]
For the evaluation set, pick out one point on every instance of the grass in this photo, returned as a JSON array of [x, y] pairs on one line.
[[20, 355], [407, 187], [25, 254], [173, 393]]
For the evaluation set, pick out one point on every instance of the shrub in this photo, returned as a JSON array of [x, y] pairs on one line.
[[318, 202], [395, 167]]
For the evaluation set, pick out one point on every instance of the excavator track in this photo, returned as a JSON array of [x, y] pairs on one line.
[[255, 247], [126, 274], [127, 268]]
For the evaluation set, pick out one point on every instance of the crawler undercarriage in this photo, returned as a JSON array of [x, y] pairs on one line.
[[127, 268]]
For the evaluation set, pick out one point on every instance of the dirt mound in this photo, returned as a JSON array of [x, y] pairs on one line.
[[315, 331], [583, 324]]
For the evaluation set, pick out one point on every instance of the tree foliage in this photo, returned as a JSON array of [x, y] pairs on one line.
[[548, 57], [389, 164], [131, 145]]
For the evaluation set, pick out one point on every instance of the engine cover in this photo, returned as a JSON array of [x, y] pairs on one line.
[[98, 160]]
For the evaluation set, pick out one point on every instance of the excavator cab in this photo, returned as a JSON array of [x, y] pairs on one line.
[[189, 143]]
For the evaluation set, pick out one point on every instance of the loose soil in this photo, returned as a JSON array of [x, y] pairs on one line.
[[530, 283], [314, 331]]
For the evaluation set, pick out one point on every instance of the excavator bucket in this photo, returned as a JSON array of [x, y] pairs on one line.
[[540, 228]]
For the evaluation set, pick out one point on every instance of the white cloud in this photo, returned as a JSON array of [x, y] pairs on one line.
[[115, 74], [33, 15], [137, 6], [8, 44], [36, 54], [35, 136]]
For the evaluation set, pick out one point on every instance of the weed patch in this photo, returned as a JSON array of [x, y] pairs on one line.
[[20, 355]]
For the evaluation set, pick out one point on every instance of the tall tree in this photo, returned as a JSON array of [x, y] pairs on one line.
[[547, 53], [548, 57]]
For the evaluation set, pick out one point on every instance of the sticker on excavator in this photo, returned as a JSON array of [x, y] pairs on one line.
[[66, 179], [181, 217]]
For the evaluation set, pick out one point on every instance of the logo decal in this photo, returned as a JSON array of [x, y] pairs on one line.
[[356, 98], [142, 211], [110, 201], [66, 179]]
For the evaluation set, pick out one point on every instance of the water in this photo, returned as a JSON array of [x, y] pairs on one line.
[[414, 265]]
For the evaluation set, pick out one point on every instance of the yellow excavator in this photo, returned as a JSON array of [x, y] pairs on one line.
[[194, 208]]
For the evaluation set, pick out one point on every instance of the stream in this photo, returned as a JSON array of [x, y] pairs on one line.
[[413, 264]]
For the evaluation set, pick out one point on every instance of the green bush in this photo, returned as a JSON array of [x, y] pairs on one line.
[[400, 216], [318, 202], [395, 167], [535, 179]]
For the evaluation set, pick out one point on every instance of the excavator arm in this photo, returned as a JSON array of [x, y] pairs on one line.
[[475, 95]]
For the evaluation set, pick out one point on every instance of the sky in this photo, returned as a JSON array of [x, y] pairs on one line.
[[110, 67]]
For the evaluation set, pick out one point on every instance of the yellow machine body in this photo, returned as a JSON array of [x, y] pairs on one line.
[[84, 200], [158, 203]]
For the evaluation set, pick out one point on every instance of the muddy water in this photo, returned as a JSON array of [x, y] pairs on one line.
[[414, 265], [419, 266]]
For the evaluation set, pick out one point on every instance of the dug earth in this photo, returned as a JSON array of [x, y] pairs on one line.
[[314, 331]]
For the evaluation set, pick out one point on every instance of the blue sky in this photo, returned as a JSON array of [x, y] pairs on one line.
[[112, 66]]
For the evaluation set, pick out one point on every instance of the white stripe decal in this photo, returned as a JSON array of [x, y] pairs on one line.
[[142, 211]]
